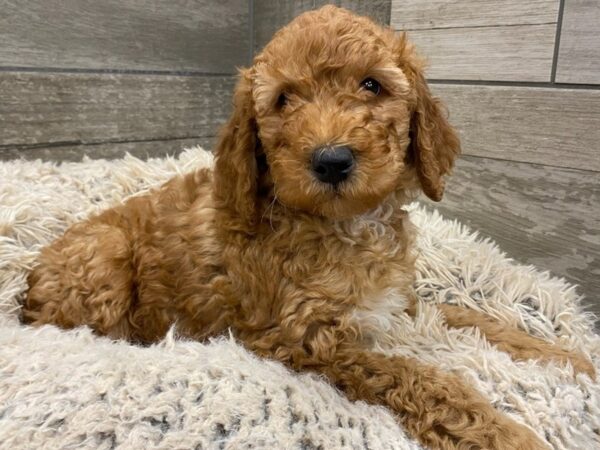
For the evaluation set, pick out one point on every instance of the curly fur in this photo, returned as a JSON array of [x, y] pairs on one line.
[[291, 265]]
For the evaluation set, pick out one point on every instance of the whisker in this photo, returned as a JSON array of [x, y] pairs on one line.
[[271, 215], [267, 209]]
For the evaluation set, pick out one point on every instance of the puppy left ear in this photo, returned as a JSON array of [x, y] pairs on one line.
[[236, 171], [434, 143]]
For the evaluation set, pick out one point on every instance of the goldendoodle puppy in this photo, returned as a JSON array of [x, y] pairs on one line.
[[297, 233]]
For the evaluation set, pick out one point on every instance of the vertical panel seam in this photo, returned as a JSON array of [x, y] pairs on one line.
[[251, 30], [561, 9], [389, 14]]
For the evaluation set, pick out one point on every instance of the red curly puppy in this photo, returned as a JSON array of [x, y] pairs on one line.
[[299, 228]]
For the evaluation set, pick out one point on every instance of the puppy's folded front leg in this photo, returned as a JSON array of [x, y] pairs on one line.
[[439, 409]]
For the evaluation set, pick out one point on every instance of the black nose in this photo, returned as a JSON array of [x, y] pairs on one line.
[[332, 164]]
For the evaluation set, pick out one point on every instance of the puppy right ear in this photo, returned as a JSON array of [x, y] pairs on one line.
[[236, 173], [434, 143]]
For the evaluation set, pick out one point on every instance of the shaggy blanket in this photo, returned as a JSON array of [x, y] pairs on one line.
[[71, 389]]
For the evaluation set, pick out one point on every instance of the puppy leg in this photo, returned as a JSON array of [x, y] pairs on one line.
[[513, 341], [83, 278], [441, 410]]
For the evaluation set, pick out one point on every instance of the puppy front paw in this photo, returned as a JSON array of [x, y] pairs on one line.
[[514, 436], [581, 364]]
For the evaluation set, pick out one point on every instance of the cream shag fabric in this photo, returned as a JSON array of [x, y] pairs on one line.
[[70, 389]]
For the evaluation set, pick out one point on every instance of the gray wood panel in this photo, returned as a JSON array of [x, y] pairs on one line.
[[579, 54], [270, 15], [506, 53], [419, 14], [545, 216], [189, 35], [70, 109], [378, 10], [559, 127], [107, 150]]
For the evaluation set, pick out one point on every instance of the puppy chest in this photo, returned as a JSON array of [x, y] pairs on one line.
[[348, 270]]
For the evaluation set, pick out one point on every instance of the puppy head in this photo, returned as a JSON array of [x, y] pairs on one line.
[[339, 110]]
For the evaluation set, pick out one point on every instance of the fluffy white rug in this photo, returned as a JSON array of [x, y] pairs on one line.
[[62, 389]]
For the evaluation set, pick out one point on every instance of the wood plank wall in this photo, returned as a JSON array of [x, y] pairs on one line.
[[521, 80], [144, 76]]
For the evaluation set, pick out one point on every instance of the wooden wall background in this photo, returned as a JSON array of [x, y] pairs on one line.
[[521, 80], [104, 77]]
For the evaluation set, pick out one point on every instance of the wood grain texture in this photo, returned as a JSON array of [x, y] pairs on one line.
[[188, 35], [511, 53], [107, 150], [70, 109], [270, 15], [418, 14], [559, 127], [378, 10], [545, 216], [579, 53]]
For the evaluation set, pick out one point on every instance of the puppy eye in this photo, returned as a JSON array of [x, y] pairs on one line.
[[371, 85], [281, 100]]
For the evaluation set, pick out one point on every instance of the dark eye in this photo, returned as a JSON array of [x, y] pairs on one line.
[[371, 85], [282, 100]]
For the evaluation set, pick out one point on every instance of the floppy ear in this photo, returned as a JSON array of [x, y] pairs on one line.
[[434, 143], [236, 173]]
